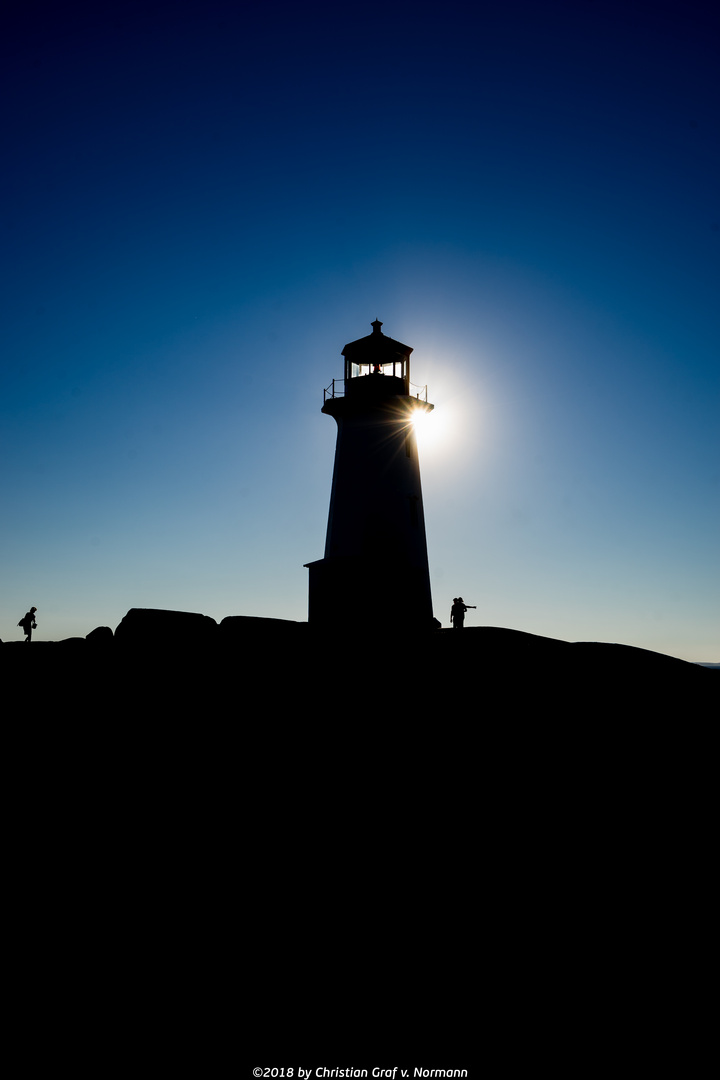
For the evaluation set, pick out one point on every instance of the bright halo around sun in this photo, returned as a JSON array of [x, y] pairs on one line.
[[430, 429]]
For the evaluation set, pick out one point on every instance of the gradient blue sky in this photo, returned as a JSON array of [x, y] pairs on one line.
[[203, 202]]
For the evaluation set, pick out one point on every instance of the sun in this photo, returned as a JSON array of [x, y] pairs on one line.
[[439, 433], [427, 429]]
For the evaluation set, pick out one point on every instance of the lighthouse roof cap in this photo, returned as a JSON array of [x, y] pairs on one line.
[[377, 343]]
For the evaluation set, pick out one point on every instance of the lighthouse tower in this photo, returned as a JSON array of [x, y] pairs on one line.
[[375, 570]]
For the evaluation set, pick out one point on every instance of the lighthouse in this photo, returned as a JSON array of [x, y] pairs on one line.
[[375, 570]]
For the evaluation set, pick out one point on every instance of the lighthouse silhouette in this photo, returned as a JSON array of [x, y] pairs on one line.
[[375, 570]]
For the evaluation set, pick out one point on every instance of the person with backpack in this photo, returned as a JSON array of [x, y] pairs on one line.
[[28, 624]]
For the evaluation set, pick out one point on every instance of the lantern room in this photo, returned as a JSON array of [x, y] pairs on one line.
[[375, 355], [376, 366]]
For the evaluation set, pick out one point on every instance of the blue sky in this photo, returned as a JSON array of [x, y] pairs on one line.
[[202, 203]]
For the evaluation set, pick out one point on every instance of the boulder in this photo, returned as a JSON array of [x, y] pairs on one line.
[[101, 635], [157, 627]]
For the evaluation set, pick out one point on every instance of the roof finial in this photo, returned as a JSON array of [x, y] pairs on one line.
[[376, 325]]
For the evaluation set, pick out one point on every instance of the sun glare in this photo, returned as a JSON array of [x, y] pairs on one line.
[[430, 429]]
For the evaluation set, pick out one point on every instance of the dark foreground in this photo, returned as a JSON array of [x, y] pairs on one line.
[[262, 671], [392, 841]]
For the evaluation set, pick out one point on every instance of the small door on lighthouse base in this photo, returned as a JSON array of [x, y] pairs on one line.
[[375, 569]]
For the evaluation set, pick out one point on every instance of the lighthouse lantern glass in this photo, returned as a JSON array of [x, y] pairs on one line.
[[397, 368]]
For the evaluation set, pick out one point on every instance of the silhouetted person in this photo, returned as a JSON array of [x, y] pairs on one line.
[[28, 624], [457, 612]]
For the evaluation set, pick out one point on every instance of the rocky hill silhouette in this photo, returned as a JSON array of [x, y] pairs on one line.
[[373, 804], [162, 664]]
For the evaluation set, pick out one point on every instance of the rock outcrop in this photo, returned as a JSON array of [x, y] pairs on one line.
[[163, 664], [156, 626]]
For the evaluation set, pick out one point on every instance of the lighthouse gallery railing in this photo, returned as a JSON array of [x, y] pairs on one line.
[[337, 389]]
